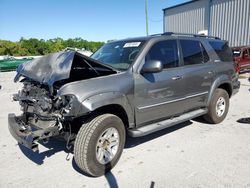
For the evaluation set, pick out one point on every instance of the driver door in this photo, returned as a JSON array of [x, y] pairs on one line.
[[160, 95]]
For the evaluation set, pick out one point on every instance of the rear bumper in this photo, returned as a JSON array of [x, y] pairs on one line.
[[27, 136], [236, 87]]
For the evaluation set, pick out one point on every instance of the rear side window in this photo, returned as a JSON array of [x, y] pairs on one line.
[[193, 52], [166, 52], [222, 49], [245, 53]]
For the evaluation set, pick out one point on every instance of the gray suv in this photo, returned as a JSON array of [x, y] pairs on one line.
[[134, 86]]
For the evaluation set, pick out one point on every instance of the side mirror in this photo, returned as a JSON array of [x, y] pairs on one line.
[[152, 66]]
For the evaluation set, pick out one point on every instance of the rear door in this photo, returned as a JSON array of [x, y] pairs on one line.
[[198, 72]]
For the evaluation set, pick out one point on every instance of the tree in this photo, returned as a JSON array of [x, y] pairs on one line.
[[35, 46]]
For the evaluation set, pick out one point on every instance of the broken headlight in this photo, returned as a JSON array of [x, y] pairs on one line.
[[67, 104]]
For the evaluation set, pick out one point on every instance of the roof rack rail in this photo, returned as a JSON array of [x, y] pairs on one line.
[[157, 34], [191, 35]]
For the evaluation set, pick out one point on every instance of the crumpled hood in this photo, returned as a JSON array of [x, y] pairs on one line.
[[52, 67]]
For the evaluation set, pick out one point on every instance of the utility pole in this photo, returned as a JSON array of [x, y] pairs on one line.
[[146, 12]]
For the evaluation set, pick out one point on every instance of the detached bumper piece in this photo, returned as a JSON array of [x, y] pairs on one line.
[[26, 136]]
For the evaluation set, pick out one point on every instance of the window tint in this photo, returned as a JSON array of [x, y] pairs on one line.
[[204, 53], [245, 53], [222, 50], [166, 52], [193, 52]]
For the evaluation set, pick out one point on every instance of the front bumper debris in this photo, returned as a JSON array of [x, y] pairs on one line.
[[27, 136]]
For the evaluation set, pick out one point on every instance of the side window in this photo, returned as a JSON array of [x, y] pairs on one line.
[[166, 52], [222, 49], [193, 52], [204, 53], [245, 53]]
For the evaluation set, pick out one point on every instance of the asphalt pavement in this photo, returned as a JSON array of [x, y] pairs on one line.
[[192, 154]]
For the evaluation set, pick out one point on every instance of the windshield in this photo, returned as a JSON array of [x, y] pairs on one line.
[[119, 55], [236, 53]]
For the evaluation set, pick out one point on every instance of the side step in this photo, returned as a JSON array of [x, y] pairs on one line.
[[147, 129]]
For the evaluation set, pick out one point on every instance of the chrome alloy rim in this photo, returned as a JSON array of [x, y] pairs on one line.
[[220, 106], [107, 145]]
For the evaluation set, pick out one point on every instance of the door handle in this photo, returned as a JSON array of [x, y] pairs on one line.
[[177, 78]]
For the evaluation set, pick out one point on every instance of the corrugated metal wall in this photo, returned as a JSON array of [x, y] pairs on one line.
[[189, 18], [229, 19]]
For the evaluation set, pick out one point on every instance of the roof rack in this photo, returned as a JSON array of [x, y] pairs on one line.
[[157, 34], [191, 35]]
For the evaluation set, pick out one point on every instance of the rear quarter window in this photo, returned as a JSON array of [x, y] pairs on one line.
[[222, 50]]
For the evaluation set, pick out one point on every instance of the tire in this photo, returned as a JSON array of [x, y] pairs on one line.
[[215, 113], [91, 136]]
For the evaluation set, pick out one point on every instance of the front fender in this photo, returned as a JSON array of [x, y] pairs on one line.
[[103, 99]]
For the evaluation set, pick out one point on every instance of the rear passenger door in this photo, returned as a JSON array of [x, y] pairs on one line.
[[198, 73]]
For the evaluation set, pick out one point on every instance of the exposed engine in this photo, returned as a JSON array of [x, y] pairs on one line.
[[39, 107], [46, 114]]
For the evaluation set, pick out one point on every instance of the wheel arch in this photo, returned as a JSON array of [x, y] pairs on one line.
[[222, 82], [113, 103], [114, 109], [227, 87]]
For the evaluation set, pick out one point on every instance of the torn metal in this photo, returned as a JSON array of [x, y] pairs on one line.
[[57, 66]]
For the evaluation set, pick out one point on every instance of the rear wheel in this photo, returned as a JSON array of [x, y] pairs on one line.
[[99, 144], [218, 107]]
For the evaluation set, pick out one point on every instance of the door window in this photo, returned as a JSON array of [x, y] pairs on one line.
[[193, 52], [166, 52]]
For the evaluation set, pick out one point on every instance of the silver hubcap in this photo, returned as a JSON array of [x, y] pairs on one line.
[[107, 145], [220, 106]]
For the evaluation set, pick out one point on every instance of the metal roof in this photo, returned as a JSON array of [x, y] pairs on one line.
[[188, 2]]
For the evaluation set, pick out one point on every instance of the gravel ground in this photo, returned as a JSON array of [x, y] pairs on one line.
[[192, 154]]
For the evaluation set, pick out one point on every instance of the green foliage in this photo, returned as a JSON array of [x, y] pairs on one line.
[[33, 46]]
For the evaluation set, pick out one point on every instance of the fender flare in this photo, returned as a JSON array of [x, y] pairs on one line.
[[109, 98], [223, 79]]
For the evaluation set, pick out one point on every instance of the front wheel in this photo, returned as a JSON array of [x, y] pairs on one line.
[[99, 144], [218, 107]]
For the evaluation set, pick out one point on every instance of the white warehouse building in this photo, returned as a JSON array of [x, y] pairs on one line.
[[226, 19]]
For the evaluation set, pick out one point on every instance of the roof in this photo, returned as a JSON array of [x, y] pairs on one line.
[[166, 34], [188, 2], [143, 38]]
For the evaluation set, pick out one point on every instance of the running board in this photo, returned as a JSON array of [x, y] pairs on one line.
[[148, 129]]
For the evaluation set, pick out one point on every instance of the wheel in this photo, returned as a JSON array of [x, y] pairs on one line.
[[99, 144], [218, 107]]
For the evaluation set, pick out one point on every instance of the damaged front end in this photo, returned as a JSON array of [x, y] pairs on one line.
[[43, 115], [46, 114]]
